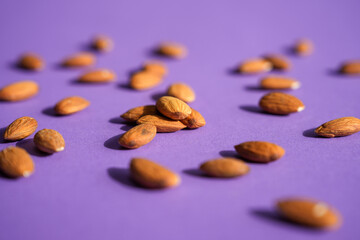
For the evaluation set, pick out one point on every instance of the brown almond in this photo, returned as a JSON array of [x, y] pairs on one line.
[[278, 62], [49, 141], [152, 175], [194, 120], [71, 105], [134, 114], [20, 129], [281, 103], [225, 168], [351, 67], [16, 162], [255, 66], [102, 43], [172, 50], [31, 61], [79, 60], [138, 136], [19, 91], [262, 152], [156, 68], [162, 124], [311, 213], [279, 82], [181, 91], [339, 127], [98, 76], [304, 47], [173, 108], [144, 80]]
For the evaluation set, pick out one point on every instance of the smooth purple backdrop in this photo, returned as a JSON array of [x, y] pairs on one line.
[[84, 192]]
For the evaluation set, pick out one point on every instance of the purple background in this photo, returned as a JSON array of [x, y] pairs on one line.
[[84, 191]]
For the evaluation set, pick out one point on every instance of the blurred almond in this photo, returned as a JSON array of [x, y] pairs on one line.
[[71, 105], [194, 120], [162, 124], [304, 47], [20, 129], [31, 61], [138, 136], [257, 151], [255, 66], [156, 68], [19, 91], [225, 168], [79, 60], [173, 50], [281, 103], [134, 114], [49, 141], [102, 43], [173, 108], [16, 162], [98, 76], [181, 91], [279, 82], [339, 127], [144, 80], [351, 67], [278, 62]]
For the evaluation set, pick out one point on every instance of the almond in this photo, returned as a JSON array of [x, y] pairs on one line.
[[79, 60], [98, 76], [102, 43], [16, 162], [138, 136], [339, 127], [255, 66], [31, 61], [162, 124], [20, 128], [279, 82], [152, 175], [19, 91], [281, 103], [49, 141], [278, 62], [351, 67], [194, 120], [262, 152], [173, 50], [71, 105], [144, 80], [156, 68], [181, 91], [304, 47], [311, 213], [134, 114], [173, 108], [225, 168]]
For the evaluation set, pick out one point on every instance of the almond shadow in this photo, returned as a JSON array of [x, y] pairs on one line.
[[2, 131], [113, 143], [122, 175], [310, 133], [29, 146]]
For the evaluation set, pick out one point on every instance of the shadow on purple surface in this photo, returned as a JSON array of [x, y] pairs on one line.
[[256, 109], [2, 131], [122, 175], [195, 172], [125, 86], [51, 112], [229, 153], [112, 143], [233, 71], [335, 72], [156, 96], [17, 67], [118, 120], [310, 133], [29, 146]]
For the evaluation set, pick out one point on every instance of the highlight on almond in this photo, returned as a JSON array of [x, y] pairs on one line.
[[194, 120], [279, 82], [98, 76], [156, 67], [138, 136], [162, 124], [15, 162], [71, 105], [252, 66], [19, 91], [278, 62], [20, 128], [281, 103], [82, 59], [134, 114], [181, 91], [173, 108], [225, 168], [144, 80], [340, 127], [172, 50], [49, 141], [259, 151]]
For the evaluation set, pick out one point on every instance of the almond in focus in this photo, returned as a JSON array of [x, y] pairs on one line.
[[83, 59], [194, 120], [31, 61], [102, 43], [279, 82], [253, 66], [98, 76], [278, 62], [20, 129], [19, 91], [339, 127], [281, 103], [138, 136], [173, 108], [181, 91], [144, 80], [162, 124], [16, 162], [257, 151], [134, 114], [172, 50], [225, 168], [49, 141], [71, 105]]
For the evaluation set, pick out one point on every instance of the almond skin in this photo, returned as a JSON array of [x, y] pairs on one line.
[[71, 105], [79, 60], [31, 61], [138, 136], [102, 43], [351, 67], [20, 129], [172, 50], [255, 66], [339, 127], [278, 62], [152, 175], [173, 108], [144, 80], [262, 152], [49, 141], [98, 76], [225, 168], [281, 103], [279, 82], [194, 120], [134, 114], [16, 162], [162, 124], [310, 213], [182, 91], [19, 91], [156, 68], [304, 47]]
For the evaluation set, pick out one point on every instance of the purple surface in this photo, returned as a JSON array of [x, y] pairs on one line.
[[84, 192]]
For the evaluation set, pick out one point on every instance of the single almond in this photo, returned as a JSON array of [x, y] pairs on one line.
[[181, 91], [102, 43], [20, 129], [138, 136], [16, 162], [98, 76], [278, 62], [339, 127], [304, 47], [225, 168], [173, 108], [279, 82], [19, 91], [49, 141], [79, 60], [311, 213], [144, 80], [31, 61], [157, 68], [281, 103], [134, 114], [351, 67], [172, 50], [194, 120], [255, 66], [152, 175], [71, 105], [162, 124], [262, 152]]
